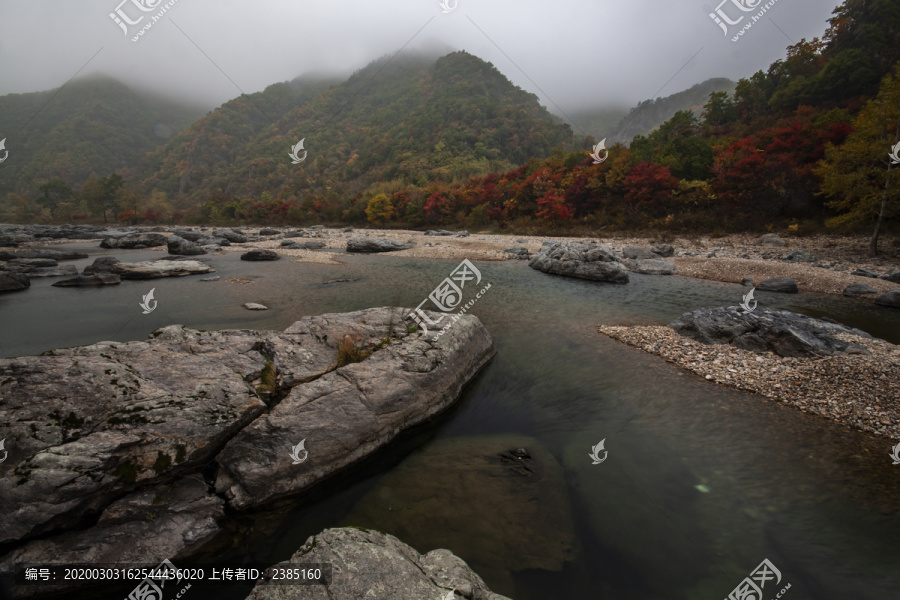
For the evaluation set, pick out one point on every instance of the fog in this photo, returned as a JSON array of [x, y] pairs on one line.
[[574, 54]]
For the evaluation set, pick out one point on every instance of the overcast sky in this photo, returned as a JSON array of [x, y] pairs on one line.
[[571, 53]]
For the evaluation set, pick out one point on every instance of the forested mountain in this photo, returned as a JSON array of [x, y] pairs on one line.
[[92, 125], [410, 120]]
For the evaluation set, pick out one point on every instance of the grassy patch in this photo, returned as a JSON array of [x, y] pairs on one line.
[[268, 380], [351, 350]]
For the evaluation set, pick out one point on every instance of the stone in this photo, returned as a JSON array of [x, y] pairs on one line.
[[519, 252], [638, 252], [59, 271], [135, 241], [269, 231], [440, 232], [260, 255], [27, 264], [462, 234], [584, 260], [213, 278], [379, 562], [190, 235], [160, 268], [182, 247], [255, 306], [785, 285], [855, 290], [375, 245], [347, 230], [291, 244], [663, 250], [769, 239], [11, 281], [651, 266], [43, 253], [747, 281], [782, 332], [313, 245], [798, 256], [893, 276], [90, 280], [865, 273], [232, 235], [101, 264], [890, 298], [213, 241]]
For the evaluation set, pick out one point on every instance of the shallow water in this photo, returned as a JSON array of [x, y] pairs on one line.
[[818, 500]]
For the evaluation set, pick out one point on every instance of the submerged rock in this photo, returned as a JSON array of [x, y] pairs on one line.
[[374, 245], [584, 260], [779, 331], [368, 563], [785, 285], [890, 298], [90, 280], [160, 268]]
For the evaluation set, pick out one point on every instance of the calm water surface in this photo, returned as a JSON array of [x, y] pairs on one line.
[[700, 485]]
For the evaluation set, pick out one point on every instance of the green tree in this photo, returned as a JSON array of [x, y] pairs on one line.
[[859, 175], [53, 192], [379, 209]]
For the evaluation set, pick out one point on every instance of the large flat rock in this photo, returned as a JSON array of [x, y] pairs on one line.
[[584, 260], [348, 413], [156, 269], [370, 564]]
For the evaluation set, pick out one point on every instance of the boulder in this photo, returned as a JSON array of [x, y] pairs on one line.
[[314, 245], [747, 281], [255, 306], [769, 239], [256, 255], [785, 285], [638, 252], [232, 235], [519, 252], [182, 247], [855, 290], [58, 271], [865, 273], [782, 332], [584, 260], [893, 276], [364, 560], [213, 278], [160, 268], [347, 230], [375, 245], [269, 231], [187, 234], [462, 234], [798, 256], [135, 240], [90, 280], [43, 253], [102, 264], [350, 412], [440, 232], [651, 266], [890, 298], [291, 244], [28, 264], [663, 250], [215, 241], [11, 281]]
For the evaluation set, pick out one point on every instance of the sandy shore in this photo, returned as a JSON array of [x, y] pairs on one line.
[[856, 390]]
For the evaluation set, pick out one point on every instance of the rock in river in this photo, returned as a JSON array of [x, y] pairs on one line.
[[651, 266], [11, 281], [90, 280], [890, 298], [160, 268], [102, 264], [260, 255], [373, 245], [784, 285], [112, 430], [779, 331], [135, 240], [370, 564], [855, 290], [182, 247], [584, 260]]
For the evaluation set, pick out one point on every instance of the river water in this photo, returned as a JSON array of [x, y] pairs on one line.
[[700, 484]]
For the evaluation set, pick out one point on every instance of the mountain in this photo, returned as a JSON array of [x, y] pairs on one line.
[[412, 119], [92, 125], [619, 126]]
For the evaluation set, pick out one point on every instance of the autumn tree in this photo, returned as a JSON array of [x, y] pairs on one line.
[[859, 176], [379, 210]]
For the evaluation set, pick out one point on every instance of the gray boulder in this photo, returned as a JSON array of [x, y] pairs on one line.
[[214, 241], [375, 245], [638, 252], [798, 256], [584, 260], [519, 252], [747, 281], [893, 276], [257, 255], [233, 236], [102, 264], [43, 253], [890, 298], [314, 245], [664, 250], [90, 280], [190, 235], [58, 271], [182, 247], [269, 231], [651, 266], [779, 331], [855, 290], [23, 265], [370, 564], [135, 241], [865, 273], [160, 268], [785, 285], [440, 232], [769, 239], [11, 281]]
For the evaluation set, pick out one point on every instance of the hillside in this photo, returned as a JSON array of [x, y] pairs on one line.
[[411, 120], [92, 125]]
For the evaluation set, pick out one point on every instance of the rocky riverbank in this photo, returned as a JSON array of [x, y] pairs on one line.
[[132, 452]]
